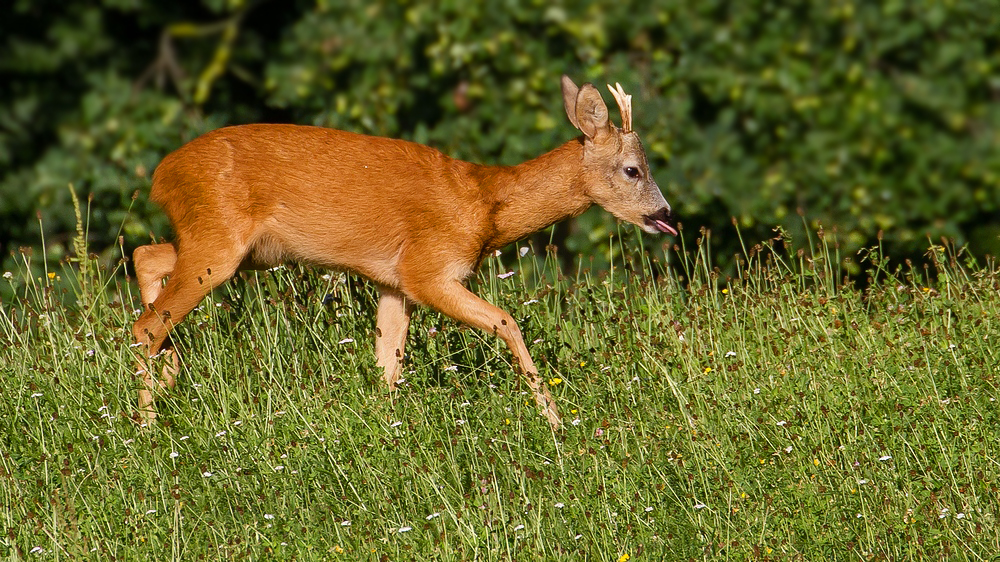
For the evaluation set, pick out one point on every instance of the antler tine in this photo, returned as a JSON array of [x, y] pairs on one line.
[[624, 104]]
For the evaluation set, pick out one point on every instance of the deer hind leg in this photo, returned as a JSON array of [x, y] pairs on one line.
[[391, 327], [454, 300], [153, 263], [194, 275]]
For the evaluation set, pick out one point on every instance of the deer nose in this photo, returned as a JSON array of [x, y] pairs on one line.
[[662, 220]]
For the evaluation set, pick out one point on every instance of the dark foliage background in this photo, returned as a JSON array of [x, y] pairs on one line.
[[866, 116]]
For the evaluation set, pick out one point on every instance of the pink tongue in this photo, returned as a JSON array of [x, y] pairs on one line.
[[665, 227]]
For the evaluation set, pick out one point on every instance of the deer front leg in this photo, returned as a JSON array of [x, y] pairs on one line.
[[453, 299], [391, 326]]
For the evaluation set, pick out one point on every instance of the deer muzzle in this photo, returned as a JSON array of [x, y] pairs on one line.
[[662, 220]]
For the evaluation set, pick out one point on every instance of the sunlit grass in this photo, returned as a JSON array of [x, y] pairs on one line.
[[776, 413]]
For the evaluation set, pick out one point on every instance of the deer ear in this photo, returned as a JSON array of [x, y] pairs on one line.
[[591, 113], [570, 91]]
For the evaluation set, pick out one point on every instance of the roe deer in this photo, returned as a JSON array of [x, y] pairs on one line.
[[404, 215]]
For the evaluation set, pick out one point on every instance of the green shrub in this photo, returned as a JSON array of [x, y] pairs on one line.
[[867, 116]]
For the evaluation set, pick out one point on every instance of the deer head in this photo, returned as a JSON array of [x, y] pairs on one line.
[[616, 175]]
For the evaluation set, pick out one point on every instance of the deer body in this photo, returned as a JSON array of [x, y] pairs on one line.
[[408, 217]]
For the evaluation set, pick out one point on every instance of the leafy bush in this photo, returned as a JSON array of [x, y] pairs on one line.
[[867, 116]]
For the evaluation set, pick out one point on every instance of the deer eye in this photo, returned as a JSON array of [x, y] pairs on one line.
[[632, 172]]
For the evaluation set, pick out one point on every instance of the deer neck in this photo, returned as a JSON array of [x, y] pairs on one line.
[[540, 192]]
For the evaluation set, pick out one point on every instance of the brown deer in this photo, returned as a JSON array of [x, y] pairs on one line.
[[404, 215]]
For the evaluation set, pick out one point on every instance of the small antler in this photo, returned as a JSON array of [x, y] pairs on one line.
[[624, 104]]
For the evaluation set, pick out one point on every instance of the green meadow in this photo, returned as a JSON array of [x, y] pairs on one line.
[[777, 411]]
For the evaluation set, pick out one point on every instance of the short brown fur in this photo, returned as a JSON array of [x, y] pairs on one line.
[[406, 216]]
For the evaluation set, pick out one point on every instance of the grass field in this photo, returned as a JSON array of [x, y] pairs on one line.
[[777, 415]]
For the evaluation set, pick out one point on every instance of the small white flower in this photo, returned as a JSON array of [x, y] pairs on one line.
[[238, 422], [346, 340], [756, 391], [452, 368], [279, 468], [859, 516], [268, 516], [523, 250], [560, 505], [345, 523], [959, 515], [505, 275], [497, 253], [518, 528], [539, 340], [91, 353], [185, 437], [221, 433], [466, 403], [37, 395], [532, 301], [884, 458], [460, 422], [8, 275], [700, 506], [782, 423], [863, 481], [405, 529], [648, 509], [433, 516], [396, 424], [206, 474], [150, 511], [174, 454], [128, 441], [575, 421], [578, 537], [788, 449], [730, 354], [36, 550]]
